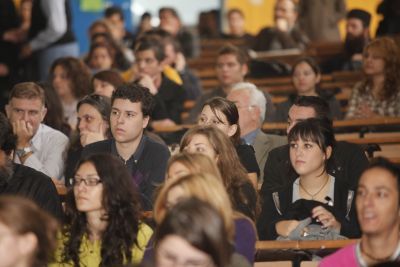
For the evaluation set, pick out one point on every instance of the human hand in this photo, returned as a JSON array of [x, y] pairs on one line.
[[284, 228], [146, 81], [24, 132], [326, 218], [88, 137], [364, 111], [14, 35], [282, 25], [4, 70], [180, 62]]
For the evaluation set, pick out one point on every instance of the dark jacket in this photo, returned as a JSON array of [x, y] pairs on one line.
[[269, 215], [147, 165]]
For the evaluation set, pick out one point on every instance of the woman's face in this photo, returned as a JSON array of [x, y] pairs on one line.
[[307, 158], [101, 59], [373, 63], [377, 202], [200, 144], [305, 79], [90, 120], [88, 191], [11, 253], [207, 117], [103, 88], [173, 250], [61, 82], [177, 170]]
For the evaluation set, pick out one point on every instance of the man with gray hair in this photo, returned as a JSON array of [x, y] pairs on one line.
[[251, 104]]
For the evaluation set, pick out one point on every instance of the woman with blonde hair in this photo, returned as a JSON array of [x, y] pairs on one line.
[[185, 163], [218, 147], [379, 93], [209, 188]]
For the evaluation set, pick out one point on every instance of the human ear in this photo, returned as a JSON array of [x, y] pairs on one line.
[[232, 129], [328, 152]]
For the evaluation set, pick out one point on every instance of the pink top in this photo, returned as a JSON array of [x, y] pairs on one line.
[[345, 257]]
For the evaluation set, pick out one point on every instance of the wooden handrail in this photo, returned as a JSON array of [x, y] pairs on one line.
[[304, 244]]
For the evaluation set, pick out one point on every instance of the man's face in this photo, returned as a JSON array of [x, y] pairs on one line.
[[116, 26], [298, 113], [229, 70], [236, 23], [127, 121], [31, 111], [284, 10], [169, 22], [249, 116], [148, 64], [354, 28]]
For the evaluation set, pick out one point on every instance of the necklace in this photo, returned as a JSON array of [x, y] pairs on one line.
[[319, 190], [374, 258]]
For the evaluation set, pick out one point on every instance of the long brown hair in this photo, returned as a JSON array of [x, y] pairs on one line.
[[234, 175], [390, 53]]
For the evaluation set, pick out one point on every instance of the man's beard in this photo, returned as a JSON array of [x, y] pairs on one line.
[[6, 171], [354, 45]]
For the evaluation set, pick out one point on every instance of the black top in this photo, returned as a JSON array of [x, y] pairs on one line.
[[169, 101], [73, 157], [347, 163], [147, 165], [248, 158], [39, 23], [34, 185], [269, 215]]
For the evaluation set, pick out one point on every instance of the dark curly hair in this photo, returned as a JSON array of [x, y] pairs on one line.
[[8, 139], [234, 175], [78, 74], [135, 93], [387, 48], [122, 206]]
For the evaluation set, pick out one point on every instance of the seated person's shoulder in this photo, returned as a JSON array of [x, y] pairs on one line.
[[97, 147], [152, 146]]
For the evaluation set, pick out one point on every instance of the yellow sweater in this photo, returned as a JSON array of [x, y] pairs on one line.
[[90, 251]]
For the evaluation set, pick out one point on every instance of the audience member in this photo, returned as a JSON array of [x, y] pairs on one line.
[[169, 96], [231, 68], [16, 179], [224, 115], [379, 93], [71, 80], [105, 82], [236, 24], [99, 27], [319, 19], [144, 24], [170, 21], [357, 37], [208, 25], [28, 234], [193, 231], [115, 17], [347, 162], [93, 126], [101, 57], [315, 197], [251, 104], [103, 224], [377, 205], [146, 160], [50, 34], [175, 59], [286, 33], [306, 77], [55, 113], [208, 187], [215, 144], [38, 146]]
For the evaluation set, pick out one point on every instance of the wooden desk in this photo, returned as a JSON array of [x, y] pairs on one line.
[[304, 245]]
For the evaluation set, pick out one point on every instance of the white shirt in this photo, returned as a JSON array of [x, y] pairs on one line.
[[48, 146]]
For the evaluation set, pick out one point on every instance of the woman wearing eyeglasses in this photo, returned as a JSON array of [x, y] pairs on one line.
[[224, 115], [103, 219]]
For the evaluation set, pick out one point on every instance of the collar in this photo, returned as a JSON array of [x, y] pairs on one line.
[[251, 136], [136, 155], [361, 261]]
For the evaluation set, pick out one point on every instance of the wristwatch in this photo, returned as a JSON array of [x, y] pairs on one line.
[[23, 151]]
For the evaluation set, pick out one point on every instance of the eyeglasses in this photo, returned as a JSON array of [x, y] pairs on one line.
[[91, 181]]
